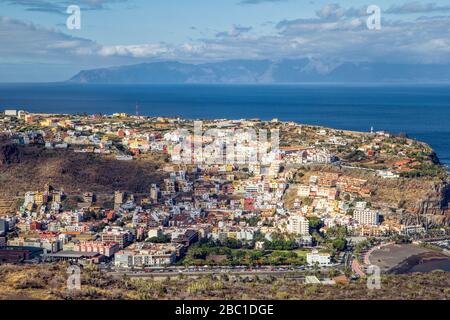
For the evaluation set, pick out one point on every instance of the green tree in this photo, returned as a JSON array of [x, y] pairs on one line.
[[339, 244]]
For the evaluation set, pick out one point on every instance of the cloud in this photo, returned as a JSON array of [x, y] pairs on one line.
[[331, 11], [60, 6], [417, 7], [236, 31], [334, 36], [37, 5], [137, 51], [339, 35], [28, 41], [334, 11], [24, 41]]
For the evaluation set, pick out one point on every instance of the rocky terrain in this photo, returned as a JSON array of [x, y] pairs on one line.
[[9, 153], [423, 198], [49, 282], [30, 168]]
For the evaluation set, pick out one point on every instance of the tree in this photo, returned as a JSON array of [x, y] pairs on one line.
[[159, 239], [315, 223], [340, 244]]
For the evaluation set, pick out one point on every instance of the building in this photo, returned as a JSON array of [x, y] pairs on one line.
[[185, 237], [29, 198], [88, 197], [118, 197], [412, 230], [147, 255], [10, 254], [49, 244], [72, 256], [322, 259], [3, 227], [11, 113], [117, 235], [107, 249], [57, 196], [298, 225], [366, 217], [154, 192], [304, 191], [40, 198]]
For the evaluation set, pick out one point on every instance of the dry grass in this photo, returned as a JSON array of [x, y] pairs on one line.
[[48, 282]]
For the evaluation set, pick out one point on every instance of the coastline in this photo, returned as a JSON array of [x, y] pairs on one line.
[[383, 107]]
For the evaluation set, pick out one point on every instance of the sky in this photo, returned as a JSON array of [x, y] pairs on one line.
[[37, 46]]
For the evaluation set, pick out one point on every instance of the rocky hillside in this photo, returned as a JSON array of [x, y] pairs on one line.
[[420, 198], [9, 153], [49, 282], [30, 168]]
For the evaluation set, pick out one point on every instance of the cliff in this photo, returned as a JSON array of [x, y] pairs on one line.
[[434, 207]]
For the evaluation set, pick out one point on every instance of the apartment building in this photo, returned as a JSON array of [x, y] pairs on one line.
[[107, 249], [147, 255], [298, 225], [366, 217], [117, 235]]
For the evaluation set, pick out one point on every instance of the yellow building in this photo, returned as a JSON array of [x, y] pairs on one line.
[[120, 115], [46, 123], [232, 235], [40, 197]]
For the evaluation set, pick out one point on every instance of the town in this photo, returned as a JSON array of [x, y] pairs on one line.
[[318, 202]]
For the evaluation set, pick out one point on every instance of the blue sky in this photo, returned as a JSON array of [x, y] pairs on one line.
[[35, 44]]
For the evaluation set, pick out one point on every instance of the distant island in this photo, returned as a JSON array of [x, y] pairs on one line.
[[264, 71]]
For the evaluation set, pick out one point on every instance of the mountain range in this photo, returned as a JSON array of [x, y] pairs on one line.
[[264, 71]]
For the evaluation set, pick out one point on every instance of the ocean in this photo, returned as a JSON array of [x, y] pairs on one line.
[[420, 111]]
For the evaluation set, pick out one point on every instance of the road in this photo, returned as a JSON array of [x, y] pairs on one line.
[[291, 274]]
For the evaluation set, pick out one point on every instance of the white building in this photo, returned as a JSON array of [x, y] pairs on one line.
[[387, 174], [29, 198], [11, 113], [303, 191], [322, 259], [147, 255], [411, 230], [366, 217], [298, 225]]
